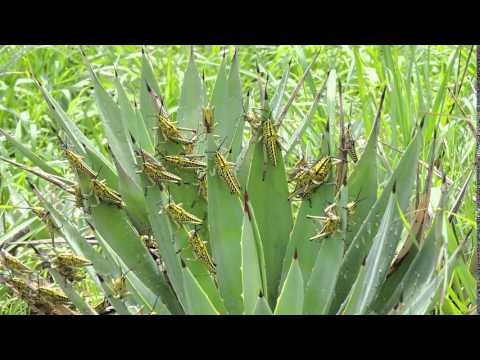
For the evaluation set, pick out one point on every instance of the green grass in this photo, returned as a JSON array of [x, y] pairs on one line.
[[420, 80]]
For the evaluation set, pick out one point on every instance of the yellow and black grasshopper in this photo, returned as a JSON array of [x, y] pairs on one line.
[[331, 223], [308, 179], [155, 171], [69, 266], [187, 161], [167, 128], [350, 144], [208, 118], [226, 171], [200, 251], [12, 264], [76, 161], [179, 215], [105, 194], [46, 218], [52, 295]]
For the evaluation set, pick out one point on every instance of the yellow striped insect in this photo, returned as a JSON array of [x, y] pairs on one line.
[[331, 223], [106, 194], [11, 263], [350, 144], [200, 250], [208, 118], [352, 206], [180, 215], [184, 161], [77, 192], [203, 186], [51, 295], [149, 241], [72, 274], [21, 285], [103, 307], [308, 179], [155, 171], [70, 260], [270, 140], [166, 127], [77, 162], [226, 171], [118, 286], [25, 290]]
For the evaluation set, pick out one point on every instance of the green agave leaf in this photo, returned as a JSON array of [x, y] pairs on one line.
[[305, 228], [395, 283], [262, 308], [422, 299], [146, 106], [331, 108], [119, 305], [117, 135], [113, 225], [35, 159], [228, 106], [163, 233], [132, 120], [252, 265], [133, 197], [198, 302], [144, 296], [199, 270], [225, 228], [290, 301], [122, 152], [244, 161], [361, 243], [296, 136], [80, 142], [235, 106], [69, 291], [189, 113], [368, 284], [269, 198], [419, 269], [320, 286], [363, 182], [280, 92]]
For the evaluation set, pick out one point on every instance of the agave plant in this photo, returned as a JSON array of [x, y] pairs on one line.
[[195, 212]]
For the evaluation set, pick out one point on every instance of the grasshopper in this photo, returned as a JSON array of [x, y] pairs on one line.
[[155, 171], [226, 171], [70, 260], [208, 118], [184, 161], [52, 295], [350, 144], [331, 222], [167, 128], [13, 264], [104, 193], [180, 215], [200, 250], [309, 178]]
